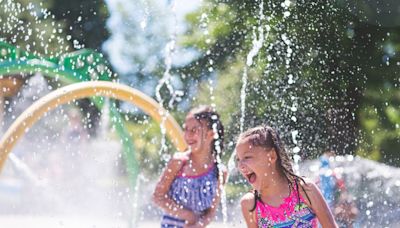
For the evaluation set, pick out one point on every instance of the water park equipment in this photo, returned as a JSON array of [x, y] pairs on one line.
[[82, 90], [82, 65], [89, 76]]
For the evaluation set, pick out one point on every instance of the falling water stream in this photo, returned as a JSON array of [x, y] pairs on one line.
[[258, 41], [166, 79]]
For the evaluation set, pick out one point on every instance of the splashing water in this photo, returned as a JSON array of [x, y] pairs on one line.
[[372, 186], [291, 80], [221, 168], [144, 22], [166, 79], [15, 29], [105, 118], [169, 51], [25, 169], [204, 26], [257, 44]]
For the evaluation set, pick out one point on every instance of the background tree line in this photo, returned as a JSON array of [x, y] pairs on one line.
[[329, 70], [327, 73]]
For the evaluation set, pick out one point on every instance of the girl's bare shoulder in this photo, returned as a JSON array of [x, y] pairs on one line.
[[308, 185], [309, 190]]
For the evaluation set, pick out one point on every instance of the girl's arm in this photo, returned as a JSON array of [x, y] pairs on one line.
[[160, 195], [319, 205], [209, 215], [247, 203]]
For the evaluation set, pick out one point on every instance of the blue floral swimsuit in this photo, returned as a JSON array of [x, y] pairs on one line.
[[195, 193]]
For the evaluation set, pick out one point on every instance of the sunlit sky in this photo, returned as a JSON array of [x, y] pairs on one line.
[[156, 22]]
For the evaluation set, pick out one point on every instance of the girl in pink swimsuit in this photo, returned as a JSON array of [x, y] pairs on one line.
[[280, 198]]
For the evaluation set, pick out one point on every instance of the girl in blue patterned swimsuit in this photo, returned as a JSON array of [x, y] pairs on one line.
[[189, 188]]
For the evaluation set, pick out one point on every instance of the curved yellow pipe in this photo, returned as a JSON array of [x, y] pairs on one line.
[[82, 90]]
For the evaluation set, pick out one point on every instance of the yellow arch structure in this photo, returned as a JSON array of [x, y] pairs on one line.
[[82, 90]]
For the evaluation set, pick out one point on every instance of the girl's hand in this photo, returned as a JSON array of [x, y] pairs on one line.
[[194, 226], [181, 156], [178, 160], [190, 217], [197, 224]]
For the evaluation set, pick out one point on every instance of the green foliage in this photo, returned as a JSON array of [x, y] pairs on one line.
[[85, 21], [31, 26], [317, 63], [201, 38], [380, 126], [146, 135], [322, 70], [51, 28]]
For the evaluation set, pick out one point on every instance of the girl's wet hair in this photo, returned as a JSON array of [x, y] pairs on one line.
[[211, 117], [268, 138], [208, 115]]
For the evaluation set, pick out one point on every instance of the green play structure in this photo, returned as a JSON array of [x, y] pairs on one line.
[[82, 65]]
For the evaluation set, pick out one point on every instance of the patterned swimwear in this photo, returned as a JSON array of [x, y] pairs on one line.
[[195, 193], [293, 212]]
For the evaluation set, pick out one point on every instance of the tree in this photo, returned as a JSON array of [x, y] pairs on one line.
[[85, 21], [309, 78], [31, 26], [139, 32], [85, 25]]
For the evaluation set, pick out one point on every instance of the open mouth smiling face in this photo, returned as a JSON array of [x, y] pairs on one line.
[[251, 178], [253, 162], [245, 170]]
